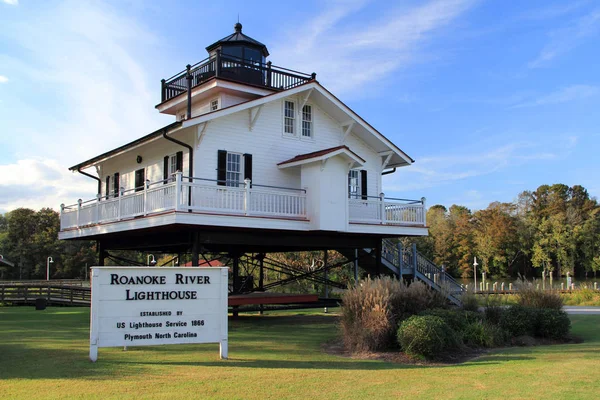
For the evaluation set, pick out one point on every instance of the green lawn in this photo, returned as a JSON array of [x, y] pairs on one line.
[[44, 354]]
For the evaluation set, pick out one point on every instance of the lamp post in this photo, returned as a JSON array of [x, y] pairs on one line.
[[151, 263], [475, 271], [49, 260]]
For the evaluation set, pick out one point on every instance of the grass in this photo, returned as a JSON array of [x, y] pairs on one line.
[[44, 354]]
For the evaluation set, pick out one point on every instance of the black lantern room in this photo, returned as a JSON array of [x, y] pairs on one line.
[[241, 47]]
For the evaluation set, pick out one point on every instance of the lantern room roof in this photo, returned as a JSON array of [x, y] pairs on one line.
[[240, 39]]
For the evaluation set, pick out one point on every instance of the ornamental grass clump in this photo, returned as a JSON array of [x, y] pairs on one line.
[[368, 320], [530, 296]]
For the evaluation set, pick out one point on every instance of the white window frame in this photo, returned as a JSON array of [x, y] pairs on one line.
[[172, 167], [293, 118], [358, 193], [212, 106], [228, 171], [311, 125]]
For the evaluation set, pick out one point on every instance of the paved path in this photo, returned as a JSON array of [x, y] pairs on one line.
[[586, 310]]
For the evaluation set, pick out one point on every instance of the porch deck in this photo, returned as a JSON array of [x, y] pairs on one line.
[[197, 196]]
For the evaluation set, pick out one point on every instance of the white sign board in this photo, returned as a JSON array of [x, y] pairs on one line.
[[145, 306]]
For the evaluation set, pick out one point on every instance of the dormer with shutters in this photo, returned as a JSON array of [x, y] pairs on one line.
[[254, 147]]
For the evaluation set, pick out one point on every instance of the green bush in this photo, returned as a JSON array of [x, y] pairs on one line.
[[493, 310], [483, 334], [518, 320], [426, 336], [552, 324], [529, 296], [456, 319]]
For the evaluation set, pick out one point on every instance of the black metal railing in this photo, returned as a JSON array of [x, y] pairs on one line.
[[235, 69]]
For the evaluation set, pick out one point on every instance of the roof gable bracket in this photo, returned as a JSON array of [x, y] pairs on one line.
[[349, 125], [388, 156], [98, 171], [253, 118], [305, 99], [323, 164], [201, 131]]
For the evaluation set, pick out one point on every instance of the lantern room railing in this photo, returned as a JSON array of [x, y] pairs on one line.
[[235, 69]]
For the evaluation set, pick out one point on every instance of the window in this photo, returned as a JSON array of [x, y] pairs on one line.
[[234, 169], [214, 105], [354, 191], [307, 121], [289, 119]]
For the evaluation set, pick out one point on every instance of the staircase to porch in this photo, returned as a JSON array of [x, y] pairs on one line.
[[409, 263]]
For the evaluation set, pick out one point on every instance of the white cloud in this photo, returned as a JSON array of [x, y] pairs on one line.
[[3, 79], [565, 39], [97, 65], [471, 162], [351, 59], [37, 183], [11, 2], [564, 95]]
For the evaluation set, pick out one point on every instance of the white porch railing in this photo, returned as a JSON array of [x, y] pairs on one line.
[[387, 211], [200, 195]]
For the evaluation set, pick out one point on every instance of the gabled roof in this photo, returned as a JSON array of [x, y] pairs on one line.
[[322, 97], [127, 146], [333, 106], [322, 155], [239, 38]]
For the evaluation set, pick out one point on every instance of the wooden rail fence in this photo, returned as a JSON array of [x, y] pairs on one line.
[[54, 294]]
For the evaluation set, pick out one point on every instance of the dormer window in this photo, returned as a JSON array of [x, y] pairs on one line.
[[289, 118], [307, 126]]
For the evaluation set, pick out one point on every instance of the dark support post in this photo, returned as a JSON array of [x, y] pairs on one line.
[[163, 90], [189, 93], [218, 64], [355, 266], [313, 76], [325, 266], [101, 254], [195, 250], [261, 277], [378, 257], [400, 261], [414, 258], [236, 272], [236, 279]]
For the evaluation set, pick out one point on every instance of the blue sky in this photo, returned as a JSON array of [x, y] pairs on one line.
[[489, 97]]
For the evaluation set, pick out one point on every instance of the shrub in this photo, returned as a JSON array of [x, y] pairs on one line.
[[469, 301], [552, 324], [456, 319], [529, 296], [484, 334], [425, 335], [367, 320], [518, 320], [493, 309]]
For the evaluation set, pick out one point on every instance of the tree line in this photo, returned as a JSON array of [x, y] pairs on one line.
[[555, 229]]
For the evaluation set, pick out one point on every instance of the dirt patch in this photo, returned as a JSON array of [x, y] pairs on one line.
[[336, 347]]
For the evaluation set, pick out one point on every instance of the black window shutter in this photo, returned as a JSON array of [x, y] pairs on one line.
[[166, 170], [221, 167], [107, 186], [179, 161], [363, 184], [116, 184], [139, 179], [248, 166]]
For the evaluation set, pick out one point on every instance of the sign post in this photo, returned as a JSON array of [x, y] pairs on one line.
[[146, 306]]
